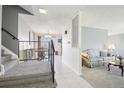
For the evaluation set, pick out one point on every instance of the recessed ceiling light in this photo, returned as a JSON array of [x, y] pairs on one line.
[[43, 11]]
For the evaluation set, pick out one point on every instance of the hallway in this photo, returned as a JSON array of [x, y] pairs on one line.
[[66, 78]]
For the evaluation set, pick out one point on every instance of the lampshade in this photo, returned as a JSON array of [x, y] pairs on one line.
[[111, 46]]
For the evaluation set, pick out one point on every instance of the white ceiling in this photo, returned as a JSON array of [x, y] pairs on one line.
[[105, 17]]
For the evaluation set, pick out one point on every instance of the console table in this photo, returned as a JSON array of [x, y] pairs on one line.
[[119, 64]]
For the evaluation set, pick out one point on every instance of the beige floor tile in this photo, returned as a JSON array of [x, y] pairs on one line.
[[66, 78]]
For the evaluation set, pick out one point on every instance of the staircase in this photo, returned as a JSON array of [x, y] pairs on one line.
[[30, 74], [9, 59]]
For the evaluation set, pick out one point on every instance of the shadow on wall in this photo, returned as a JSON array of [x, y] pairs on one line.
[[10, 23]]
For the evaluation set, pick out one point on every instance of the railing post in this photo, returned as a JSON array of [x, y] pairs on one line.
[[53, 67], [52, 50], [18, 49], [49, 52]]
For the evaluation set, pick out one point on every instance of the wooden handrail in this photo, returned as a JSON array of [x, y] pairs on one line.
[[13, 37]]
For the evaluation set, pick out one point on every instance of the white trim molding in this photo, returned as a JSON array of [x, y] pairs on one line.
[[9, 51], [2, 70]]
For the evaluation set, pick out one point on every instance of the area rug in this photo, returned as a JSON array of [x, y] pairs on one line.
[[99, 77]]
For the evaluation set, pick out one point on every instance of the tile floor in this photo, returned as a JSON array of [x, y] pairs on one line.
[[66, 78]]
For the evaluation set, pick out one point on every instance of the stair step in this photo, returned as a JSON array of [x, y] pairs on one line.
[[3, 51], [6, 55], [10, 64], [39, 84], [6, 58], [9, 60], [24, 79]]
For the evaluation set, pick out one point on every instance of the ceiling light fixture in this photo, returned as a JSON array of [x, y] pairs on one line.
[[48, 36], [42, 11]]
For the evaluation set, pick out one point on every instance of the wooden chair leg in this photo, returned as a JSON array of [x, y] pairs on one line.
[[122, 70], [109, 66]]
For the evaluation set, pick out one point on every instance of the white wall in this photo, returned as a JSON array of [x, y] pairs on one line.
[[23, 32], [118, 41], [0, 29], [71, 55], [93, 38]]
